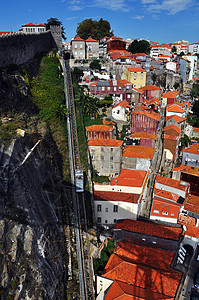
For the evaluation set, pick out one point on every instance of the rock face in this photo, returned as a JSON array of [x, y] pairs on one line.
[[31, 235]]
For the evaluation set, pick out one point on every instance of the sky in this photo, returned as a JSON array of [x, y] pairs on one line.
[[162, 21]]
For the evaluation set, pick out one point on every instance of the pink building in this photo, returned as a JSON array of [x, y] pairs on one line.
[[100, 132], [144, 121]]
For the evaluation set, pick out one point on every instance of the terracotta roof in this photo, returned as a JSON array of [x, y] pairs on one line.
[[139, 152], [145, 255], [156, 280], [116, 196], [105, 142], [188, 170], [192, 149], [136, 70], [132, 178], [172, 128], [166, 195], [77, 39], [192, 204], [144, 135], [177, 184], [150, 228], [29, 24], [178, 119], [91, 40], [170, 94], [150, 88], [175, 108], [123, 82], [152, 115], [124, 104], [192, 231], [138, 90], [99, 128], [5, 32], [170, 137], [108, 122], [195, 129], [125, 291]]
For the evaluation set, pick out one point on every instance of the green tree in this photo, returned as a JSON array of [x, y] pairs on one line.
[[185, 141], [174, 49], [95, 29], [181, 53], [95, 65], [77, 74], [141, 46], [89, 105], [195, 92], [55, 21]]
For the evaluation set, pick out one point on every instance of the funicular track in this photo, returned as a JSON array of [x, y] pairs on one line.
[[82, 238]]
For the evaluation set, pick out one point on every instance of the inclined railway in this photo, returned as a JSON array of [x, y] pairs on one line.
[[77, 176]]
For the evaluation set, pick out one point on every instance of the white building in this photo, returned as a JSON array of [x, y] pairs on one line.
[[33, 28], [121, 110], [194, 48]]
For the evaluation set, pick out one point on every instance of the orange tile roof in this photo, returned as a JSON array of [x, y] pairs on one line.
[[115, 196], [123, 104], [150, 228], [170, 94], [192, 231], [145, 255], [136, 70], [186, 220], [172, 128], [5, 32], [123, 82], [177, 184], [159, 281], [138, 90], [188, 169], [91, 40], [108, 122], [144, 135], [150, 88], [178, 119], [77, 39], [132, 178], [152, 115], [166, 195], [175, 108], [99, 128], [105, 142], [192, 149], [195, 129], [139, 152], [170, 137], [125, 291], [192, 204]]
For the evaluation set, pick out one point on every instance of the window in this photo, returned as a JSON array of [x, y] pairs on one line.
[[135, 77], [81, 53], [127, 87], [97, 88], [124, 88], [99, 220], [165, 209], [108, 88], [111, 149], [120, 88], [128, 96], [111, 158], [141, 76], [106, 221], [102, 157], [99, 207], [111, 167], [156, 208], [75, 46], [103, 88], [115, 220], [102, 149], [118, 111], [75, 52], [80, 46], [106, 209], [115, 208], [115, 89]]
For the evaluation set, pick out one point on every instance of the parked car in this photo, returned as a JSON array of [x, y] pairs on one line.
[[196, 283]]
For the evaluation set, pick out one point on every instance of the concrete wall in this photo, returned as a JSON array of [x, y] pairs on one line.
[[20, 48]]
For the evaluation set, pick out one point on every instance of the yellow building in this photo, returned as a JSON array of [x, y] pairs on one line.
[[137, 76]]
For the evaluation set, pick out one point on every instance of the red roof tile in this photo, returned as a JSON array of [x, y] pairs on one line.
[[192, 204], [151, 114], [105, 142], [177, 184], [136, 70], [192, 231], [144, 135], [139, 152], [150, 228], [5, 32], [150, 88], [178, 119], [192, 149], [99, 128], [124, 104], [170, 94], [175, 108], [172, 128], [91, 40], [107, 122], [132, 178], [166, 195], [115, 196], [77, 39], [188, 170]]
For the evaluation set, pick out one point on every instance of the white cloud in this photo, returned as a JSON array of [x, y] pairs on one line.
[[75, 7], [113, 5], [71, 18], [138, 18], [171, 6]]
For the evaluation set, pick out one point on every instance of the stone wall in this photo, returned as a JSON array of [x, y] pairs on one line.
[[19, 48]]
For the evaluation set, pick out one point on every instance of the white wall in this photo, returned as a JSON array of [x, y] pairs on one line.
[[126, 210], [102, 284], [117, 188], [170, 189]]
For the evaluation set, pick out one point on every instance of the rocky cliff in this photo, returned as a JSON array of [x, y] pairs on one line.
[[32, 243]]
